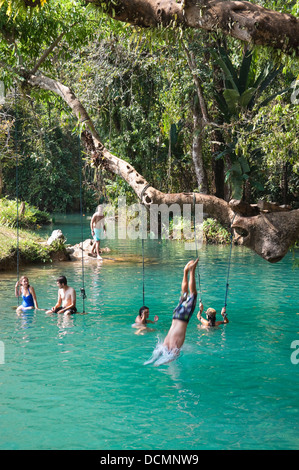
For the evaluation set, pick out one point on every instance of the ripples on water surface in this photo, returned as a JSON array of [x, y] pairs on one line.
[[80, 382]]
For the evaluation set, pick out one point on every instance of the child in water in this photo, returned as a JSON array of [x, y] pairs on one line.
[[23, 288]]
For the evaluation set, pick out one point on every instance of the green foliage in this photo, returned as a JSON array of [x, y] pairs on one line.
[[243, 87], [214, 232], [247, 90], [31, 247], [32, 251], [141, 111], [274, 138], [28, 33], [32, 217], [137, 87]]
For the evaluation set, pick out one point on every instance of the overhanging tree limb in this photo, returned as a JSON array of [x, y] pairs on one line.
[[268, 234], [242, 20]]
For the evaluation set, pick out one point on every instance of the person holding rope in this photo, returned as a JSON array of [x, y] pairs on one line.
[[23, 288], [211, 317]]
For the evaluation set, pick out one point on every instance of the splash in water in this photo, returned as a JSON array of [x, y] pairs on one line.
[[161, 355]]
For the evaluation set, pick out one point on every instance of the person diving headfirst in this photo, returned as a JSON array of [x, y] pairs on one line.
[[175, 338]]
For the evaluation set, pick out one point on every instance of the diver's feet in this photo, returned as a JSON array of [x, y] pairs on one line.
[[191, 265], [194, 264], [188, 265]]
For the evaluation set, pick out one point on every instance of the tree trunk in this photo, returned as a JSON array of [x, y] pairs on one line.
[[242, 20], [200, 119], [218, 165]]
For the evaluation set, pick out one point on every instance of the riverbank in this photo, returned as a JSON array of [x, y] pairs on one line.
[[32, 249]]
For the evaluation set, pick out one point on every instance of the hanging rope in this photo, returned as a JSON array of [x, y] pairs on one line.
[[194, 221], [143, 272], [82, 289], [229, 261], [142, 240], [17, 186]]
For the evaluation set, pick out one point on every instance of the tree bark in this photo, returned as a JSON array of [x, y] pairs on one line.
[[241, 19], [268, 234], [200, 120], [218, 165]]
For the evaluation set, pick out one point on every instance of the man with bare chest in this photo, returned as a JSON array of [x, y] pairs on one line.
[[66, 302]]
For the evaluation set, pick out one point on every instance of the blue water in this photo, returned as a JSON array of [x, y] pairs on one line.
[[80, 382]]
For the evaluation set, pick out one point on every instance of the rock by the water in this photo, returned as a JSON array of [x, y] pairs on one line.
[[56, 235], [75, 251]]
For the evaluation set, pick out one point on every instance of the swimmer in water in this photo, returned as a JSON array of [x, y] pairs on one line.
[[211, 317], [66, 302], [171, 347], [142, 320], [23, 288]]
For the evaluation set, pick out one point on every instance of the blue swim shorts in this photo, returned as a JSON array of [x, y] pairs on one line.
[[98, 234], [185, 308]]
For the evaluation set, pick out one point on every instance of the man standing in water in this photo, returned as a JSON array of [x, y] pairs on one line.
[[66, 302], [170, 349], [98, 230]]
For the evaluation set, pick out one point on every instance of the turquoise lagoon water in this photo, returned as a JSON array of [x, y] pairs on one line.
[[81, 383]]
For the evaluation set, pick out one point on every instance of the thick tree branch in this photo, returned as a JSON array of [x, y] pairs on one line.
[[241, 19], [268, 234], [46, 83]]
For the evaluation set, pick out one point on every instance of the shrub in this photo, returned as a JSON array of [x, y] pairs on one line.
[[214, 232], [31, 218]]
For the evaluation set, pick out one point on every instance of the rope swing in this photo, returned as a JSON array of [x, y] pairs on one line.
[[143, 273], [82, 289], [17, 187], [229, 261], [196, 250], [142, 241], [229, 257]]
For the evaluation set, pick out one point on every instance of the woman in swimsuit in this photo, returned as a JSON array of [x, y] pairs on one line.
[[22, 288]]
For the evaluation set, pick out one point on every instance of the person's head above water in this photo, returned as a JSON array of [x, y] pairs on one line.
[[62, 280], [211, 316], [144, 311], [24, 280]]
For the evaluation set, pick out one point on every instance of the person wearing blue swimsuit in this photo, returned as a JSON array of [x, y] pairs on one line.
[[23, 288]]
